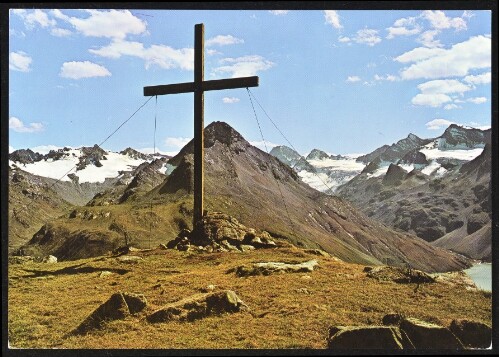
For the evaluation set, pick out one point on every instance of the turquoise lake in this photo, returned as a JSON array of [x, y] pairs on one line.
[[481, 275]]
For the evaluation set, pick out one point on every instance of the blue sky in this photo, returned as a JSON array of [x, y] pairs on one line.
[[344, 81]]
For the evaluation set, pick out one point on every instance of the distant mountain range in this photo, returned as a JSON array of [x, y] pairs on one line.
[[150, 200]]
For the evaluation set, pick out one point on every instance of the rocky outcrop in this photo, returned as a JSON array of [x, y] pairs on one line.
[[199, 306], [425, 335], [268, 268], [118, 306], [221, 232], [473, 334], [25, 156], [317, 154], [398, 275], [368, 337], [410, 333], [394, 175]]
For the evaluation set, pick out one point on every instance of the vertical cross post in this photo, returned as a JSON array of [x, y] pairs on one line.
[[198, 122], [199, 86]]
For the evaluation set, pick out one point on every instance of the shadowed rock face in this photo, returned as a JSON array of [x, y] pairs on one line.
[[425, 335], [119, 306], [472, 334]]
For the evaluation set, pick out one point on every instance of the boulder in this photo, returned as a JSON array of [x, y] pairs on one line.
[[472, 334], [368, 337], [118, 306], [425, 335], [275, 267], [199, 306], [49, 259], [398, 275], [318, 252], [135, 302]]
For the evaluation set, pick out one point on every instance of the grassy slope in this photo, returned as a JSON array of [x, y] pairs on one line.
[[45, 305]]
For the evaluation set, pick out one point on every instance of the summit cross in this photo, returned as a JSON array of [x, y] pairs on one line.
[[199, 86]]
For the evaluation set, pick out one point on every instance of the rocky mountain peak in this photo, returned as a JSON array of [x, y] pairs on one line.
[[317, 154], [25, 156], [223, 133], [414, 137], [134, 154], [456, 136]]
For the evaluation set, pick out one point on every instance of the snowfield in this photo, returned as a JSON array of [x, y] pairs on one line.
[[59, 169]]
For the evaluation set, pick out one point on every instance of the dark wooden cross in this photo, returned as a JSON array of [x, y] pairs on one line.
[[199, 86]]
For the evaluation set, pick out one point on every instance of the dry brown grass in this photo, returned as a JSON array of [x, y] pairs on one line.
[[46, 302]]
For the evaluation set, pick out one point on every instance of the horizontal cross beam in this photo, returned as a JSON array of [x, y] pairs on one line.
[[219, 84]]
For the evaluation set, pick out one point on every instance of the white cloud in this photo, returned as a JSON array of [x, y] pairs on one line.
[[278, 12], [244, 66], [17, 125], [443, 86], [344, 39], [483, 78], [477, 100], [261, 144], [401, 31], [368, 37], [431, 100], [405, 21], [34, 18], [388, 77], [333, 18], [419, 54], [437, 124], [452, 106], [438, 20], [116, 24], [86, 69], [20, 61], [11, 149], [157, 151], [176, 143], [223, 40], [211, 52], [479, 126], [230, 100], [59, 32], [456, 61], [160, 55], [427, 39], [352, 79]]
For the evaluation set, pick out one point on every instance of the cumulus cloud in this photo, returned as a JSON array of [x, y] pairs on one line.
[[457, 61], [431, 100], [244, 66], [477, 100], [352, 79], [333, 18], [159, 55], [428, 39], [344, 39], [278, 12], [483, 78], [86, 69], [223, 40], [437, 124], [440, 21], [401, 31], [20, 61], [230, 100], [17, 124], [452, 106], [176, 142], [368, 37], [443, 86], [59, 32], [34, 18], [116, 24]]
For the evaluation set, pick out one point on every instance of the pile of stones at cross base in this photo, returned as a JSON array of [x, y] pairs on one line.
[[219, 232]]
